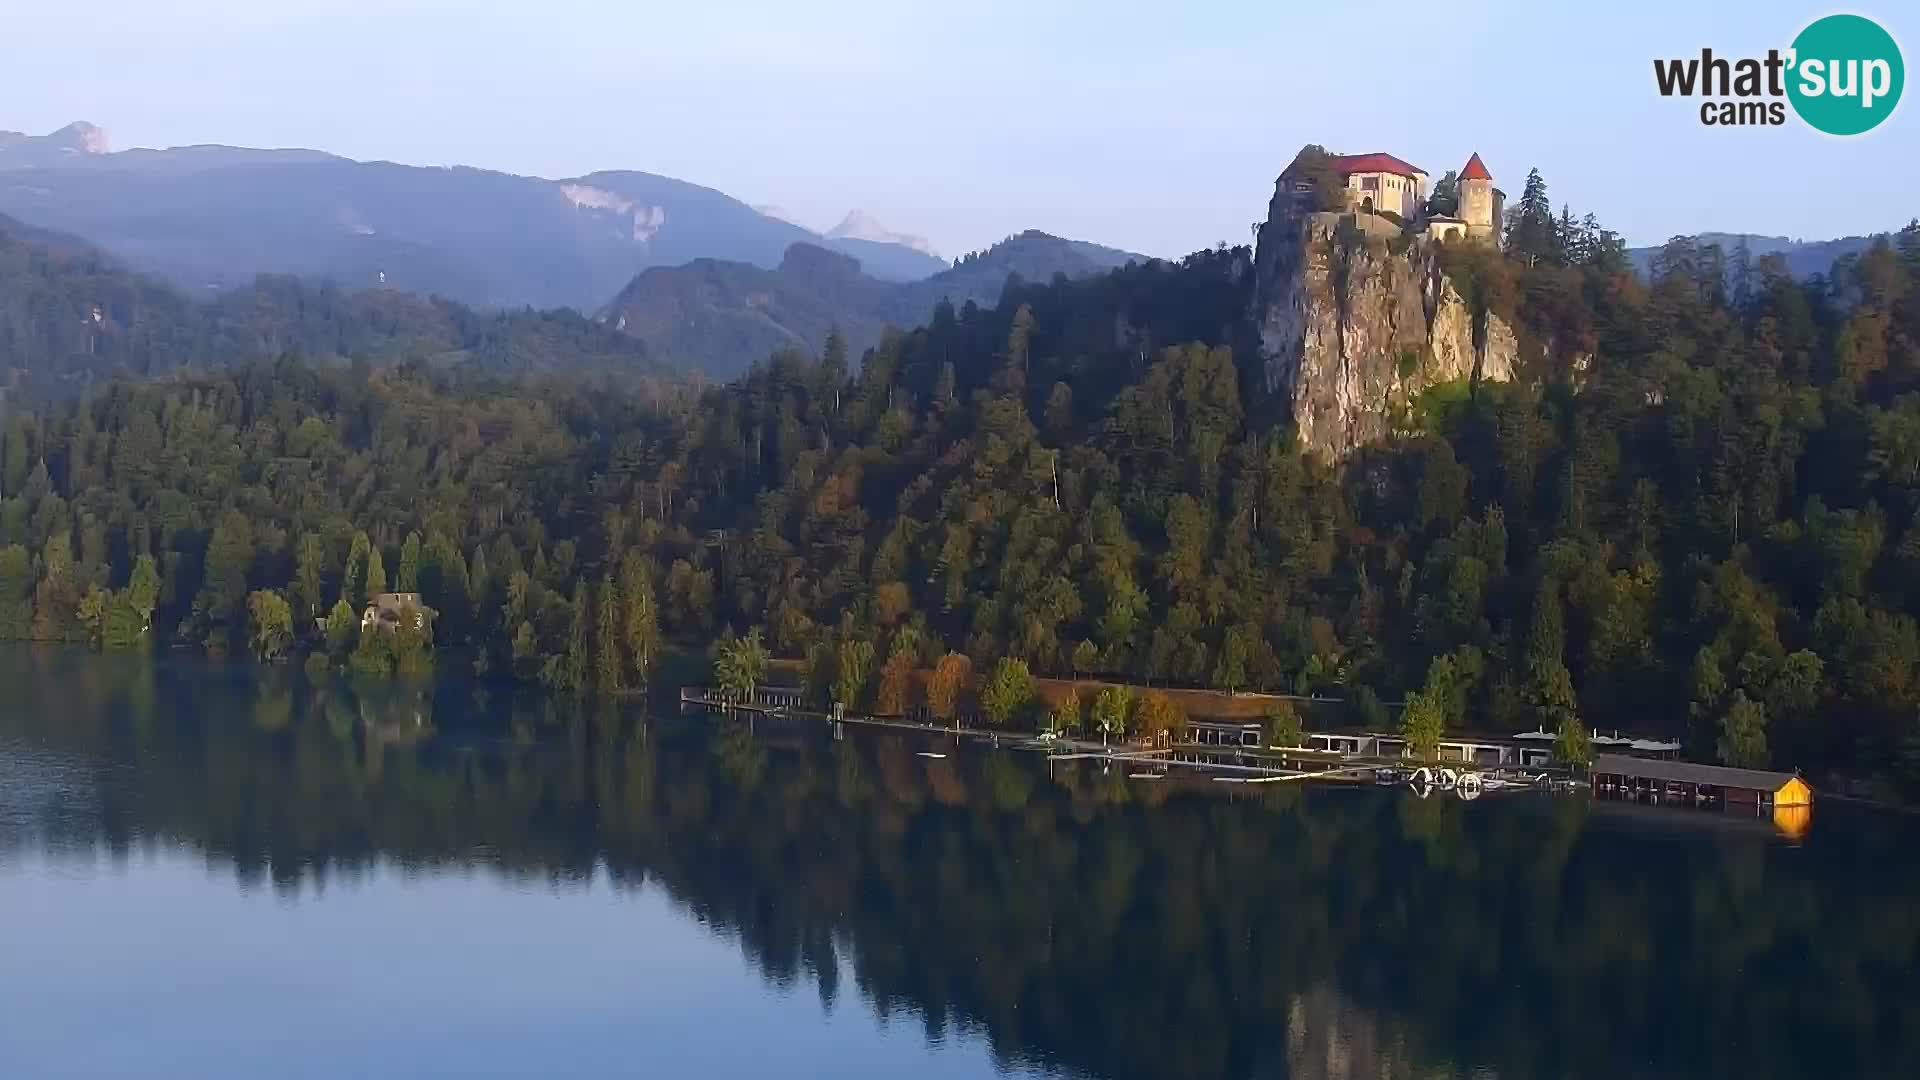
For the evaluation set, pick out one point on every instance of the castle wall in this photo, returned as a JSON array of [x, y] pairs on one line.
[[1401, 194]]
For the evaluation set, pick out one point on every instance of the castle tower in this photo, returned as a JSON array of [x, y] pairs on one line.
[[1481, 204]]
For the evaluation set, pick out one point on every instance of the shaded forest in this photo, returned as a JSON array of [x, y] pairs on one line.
[[1695, 515], [71, 316]]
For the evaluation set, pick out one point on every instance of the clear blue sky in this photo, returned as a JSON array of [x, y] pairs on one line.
[[1152, 126]]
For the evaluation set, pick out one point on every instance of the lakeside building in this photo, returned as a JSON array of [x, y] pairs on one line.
[[1686, 781], [390, 611]]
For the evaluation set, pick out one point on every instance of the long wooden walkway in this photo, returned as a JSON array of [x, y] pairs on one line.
[[775, 703]]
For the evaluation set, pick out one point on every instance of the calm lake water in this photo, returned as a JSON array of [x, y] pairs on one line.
[[218, 871]]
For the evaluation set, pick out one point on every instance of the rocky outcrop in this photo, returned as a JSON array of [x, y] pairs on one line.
[[1355, 319]]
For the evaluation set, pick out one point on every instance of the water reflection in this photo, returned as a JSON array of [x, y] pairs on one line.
[[1080, 922]]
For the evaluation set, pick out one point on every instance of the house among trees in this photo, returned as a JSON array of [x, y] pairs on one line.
[[392, 611], [1465, 204]]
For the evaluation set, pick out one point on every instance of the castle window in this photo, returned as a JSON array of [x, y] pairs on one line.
[[1369, 183]]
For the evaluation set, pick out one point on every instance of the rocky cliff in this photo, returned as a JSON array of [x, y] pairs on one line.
[[1356, 319]]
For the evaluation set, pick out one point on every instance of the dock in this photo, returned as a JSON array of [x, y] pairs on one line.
[[1228, 752]]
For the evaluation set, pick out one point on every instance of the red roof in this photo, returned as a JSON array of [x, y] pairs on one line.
[[1364, 163], [1475, 170]]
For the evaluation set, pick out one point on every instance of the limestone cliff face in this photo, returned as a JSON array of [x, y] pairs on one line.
[[1354, 321]]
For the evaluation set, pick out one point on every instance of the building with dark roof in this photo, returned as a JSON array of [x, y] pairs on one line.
[[1684, 783]]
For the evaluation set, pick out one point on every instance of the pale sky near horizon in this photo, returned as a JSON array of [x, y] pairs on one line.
[[1154, 127]]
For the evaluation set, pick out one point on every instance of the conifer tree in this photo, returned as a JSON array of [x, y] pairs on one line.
[[609, 647], [353, 583], [1530, 224], [376, 574], [408, 580], [309, 568], [640, 627]]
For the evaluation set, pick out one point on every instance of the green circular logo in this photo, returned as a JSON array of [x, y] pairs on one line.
[[1846, 75]]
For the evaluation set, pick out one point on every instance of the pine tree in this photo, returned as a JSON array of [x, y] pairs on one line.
[[1740, 277], [353, 582], [1530, 224], [1012, 377], [309, 568], [610, 655], [376, 574], [641, 626], [1444, 201], [143, 588], [1571, 744], [1549, 685], [1566, 238], [575, 663], [409, 579]]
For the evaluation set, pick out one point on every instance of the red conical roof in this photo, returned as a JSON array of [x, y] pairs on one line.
[[1475, 170]]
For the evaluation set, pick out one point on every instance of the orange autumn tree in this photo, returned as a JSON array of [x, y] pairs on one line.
[[896, 685], [950, 676]]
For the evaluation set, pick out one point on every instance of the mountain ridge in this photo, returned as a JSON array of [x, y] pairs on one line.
[[211, 216], [721, 316], [1804, 258]]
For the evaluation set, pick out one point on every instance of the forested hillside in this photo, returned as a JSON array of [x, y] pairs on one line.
[[1698, 515], [720, 315], [70, 315]]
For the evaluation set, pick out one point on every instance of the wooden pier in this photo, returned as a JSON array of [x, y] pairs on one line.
[[1233, 758]]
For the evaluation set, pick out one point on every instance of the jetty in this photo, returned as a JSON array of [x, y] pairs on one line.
[[1226, 751]]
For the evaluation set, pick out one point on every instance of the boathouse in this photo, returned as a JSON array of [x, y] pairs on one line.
[[1686, 782]]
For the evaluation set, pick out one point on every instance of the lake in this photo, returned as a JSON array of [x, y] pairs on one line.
[[215, 870]]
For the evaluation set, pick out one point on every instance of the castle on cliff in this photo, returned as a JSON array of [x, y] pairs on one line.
[[1382, 184]]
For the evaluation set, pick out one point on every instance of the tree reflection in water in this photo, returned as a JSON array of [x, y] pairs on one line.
[[1077, 919]]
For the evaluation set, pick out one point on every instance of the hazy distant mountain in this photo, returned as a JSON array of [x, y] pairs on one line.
[[722, 316], [860, 225], [215, 216], [1805, 258], [74, 140], [882, 252]]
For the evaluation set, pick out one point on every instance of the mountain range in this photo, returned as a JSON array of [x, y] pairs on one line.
[[1804, 258], [719, 315], [212, 217]]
